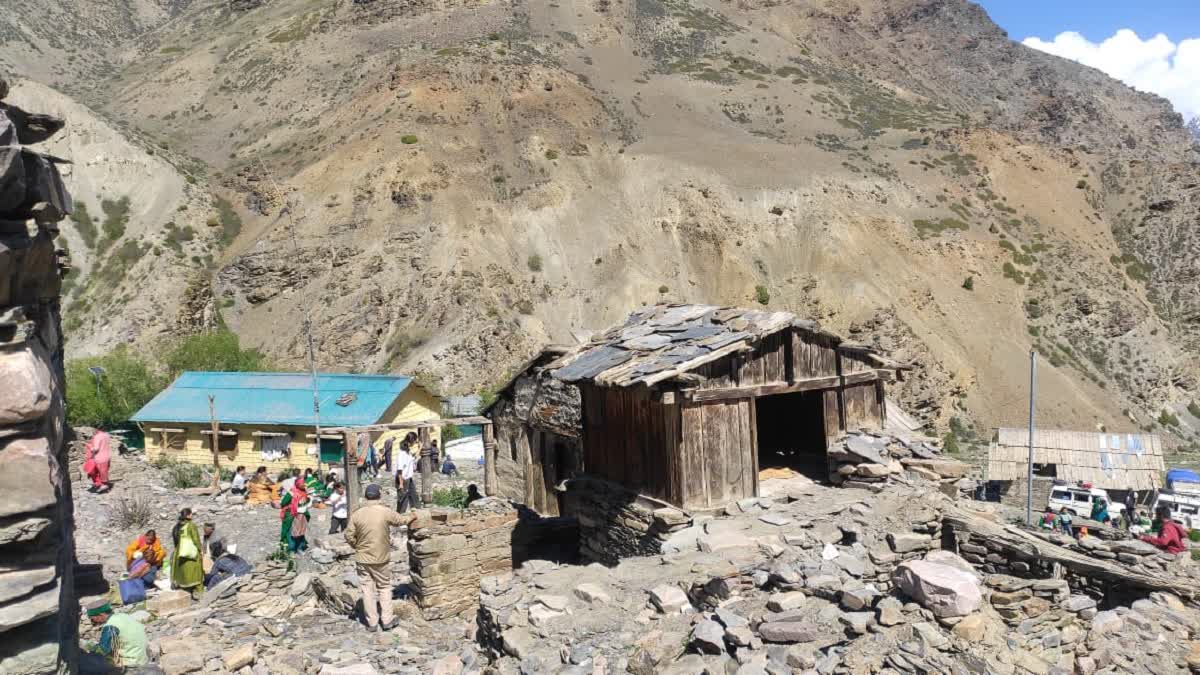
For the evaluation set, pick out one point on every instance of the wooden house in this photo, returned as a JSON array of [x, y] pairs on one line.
[[266, 419], [1111, 461], [537, 425], [687, 403]]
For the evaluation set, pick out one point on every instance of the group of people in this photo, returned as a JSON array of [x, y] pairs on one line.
[[199, 560], [1164, 532]]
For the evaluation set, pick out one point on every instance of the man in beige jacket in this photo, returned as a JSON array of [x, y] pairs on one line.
[[369, 534]]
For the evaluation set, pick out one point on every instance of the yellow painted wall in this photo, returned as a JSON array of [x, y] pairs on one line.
[[414, 404], [198, 450]]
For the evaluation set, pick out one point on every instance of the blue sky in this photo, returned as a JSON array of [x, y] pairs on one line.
[[1152, 45], [1095, 19]]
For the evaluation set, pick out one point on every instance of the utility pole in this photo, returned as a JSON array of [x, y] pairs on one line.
[[1029, 476]]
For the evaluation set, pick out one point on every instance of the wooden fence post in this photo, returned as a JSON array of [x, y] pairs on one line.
[[426, 469], [350, 467], [489, 460], [216, 441]]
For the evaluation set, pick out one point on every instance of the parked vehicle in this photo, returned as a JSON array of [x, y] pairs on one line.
[[1183, 481], [1078, 500], [1185, 508]]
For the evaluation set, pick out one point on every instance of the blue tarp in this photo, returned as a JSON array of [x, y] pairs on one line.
[[274, 398], [1181, 476]]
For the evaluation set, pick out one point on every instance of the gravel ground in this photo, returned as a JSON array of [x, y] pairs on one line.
[[255, 529]]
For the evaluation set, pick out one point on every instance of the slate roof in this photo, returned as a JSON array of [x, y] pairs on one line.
[[659, 342], [275, 398]]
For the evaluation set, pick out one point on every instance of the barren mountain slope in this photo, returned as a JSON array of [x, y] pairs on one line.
[[470, 180]]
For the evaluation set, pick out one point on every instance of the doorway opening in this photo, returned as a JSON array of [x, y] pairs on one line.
[[791, 433]]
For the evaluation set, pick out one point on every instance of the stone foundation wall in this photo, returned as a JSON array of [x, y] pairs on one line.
[[38, 609], [616, 523], [449, 552]]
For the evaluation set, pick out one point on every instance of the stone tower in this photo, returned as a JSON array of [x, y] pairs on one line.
[[39, 614]]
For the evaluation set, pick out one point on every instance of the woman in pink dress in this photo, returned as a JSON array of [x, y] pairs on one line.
[[97, 456]]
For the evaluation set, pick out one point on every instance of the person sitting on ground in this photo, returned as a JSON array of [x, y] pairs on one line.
[[1049, 520], [262, 477], [261, 489], [226, 563], [239, 481], [369, 534], [448, 467], [1171, 535], [1141, 523], [122, 638], [314, 486], [473, 494], [1064, 521], [1100, 510], [144, 557]]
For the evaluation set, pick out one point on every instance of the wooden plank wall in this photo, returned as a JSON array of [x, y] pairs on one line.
[[718, 453], [812, 356], [864, 409], [766, 364], [833, 418], [852, 363], [633, 440]]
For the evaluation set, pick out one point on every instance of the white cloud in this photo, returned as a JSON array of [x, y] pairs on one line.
[[1156, 65]]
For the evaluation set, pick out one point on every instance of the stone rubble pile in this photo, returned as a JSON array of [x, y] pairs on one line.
[[615, 523], [831, 581], [870, 459]]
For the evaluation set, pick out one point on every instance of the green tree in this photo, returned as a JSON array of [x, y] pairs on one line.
[[126, 384], [219, 350]]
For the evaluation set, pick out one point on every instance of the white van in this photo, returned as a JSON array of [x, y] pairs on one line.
[[1185, 508], [1078, 500]]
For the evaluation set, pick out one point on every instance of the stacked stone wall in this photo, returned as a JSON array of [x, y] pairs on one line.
[[449, 552], [616, 523], [38, 609], [1012, 493]]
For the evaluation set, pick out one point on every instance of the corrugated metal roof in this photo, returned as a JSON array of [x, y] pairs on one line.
[[659, 341], [274, 398], [1107, 460]]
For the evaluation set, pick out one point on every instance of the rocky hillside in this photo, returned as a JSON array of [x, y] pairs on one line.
[[467, 181]]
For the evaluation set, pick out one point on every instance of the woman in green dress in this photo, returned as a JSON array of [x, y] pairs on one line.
[[294, 515], [187, 571]]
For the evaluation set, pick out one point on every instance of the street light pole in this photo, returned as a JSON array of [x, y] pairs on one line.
[[1029, 475]]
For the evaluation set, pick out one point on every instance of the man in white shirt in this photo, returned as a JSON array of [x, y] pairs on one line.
[[337, 502], [406, 490]]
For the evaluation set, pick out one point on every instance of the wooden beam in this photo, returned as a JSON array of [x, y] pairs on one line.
[[489, 460], [349, 468], [216, 442], [222, 432], [323, 435], [167, 430], [809, 384], [423, 424], [425, 466]]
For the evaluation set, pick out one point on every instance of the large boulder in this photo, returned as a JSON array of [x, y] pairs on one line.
[[944, 590]]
